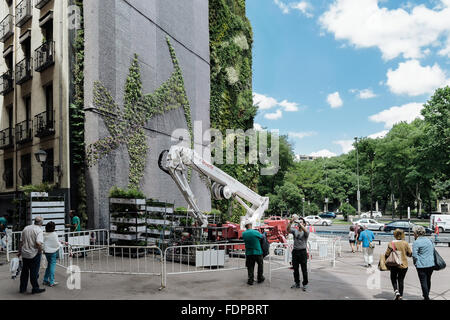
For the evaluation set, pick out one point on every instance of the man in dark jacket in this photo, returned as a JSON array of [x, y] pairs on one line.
[[299, 253], [253, 253]]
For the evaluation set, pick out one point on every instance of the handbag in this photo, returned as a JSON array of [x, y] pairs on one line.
[[394, 259], [439, 263]]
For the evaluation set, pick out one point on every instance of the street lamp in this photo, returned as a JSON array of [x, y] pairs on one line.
[[358, 195], [303, 200], [41, 157]]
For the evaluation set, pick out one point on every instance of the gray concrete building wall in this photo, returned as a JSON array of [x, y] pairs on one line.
[[114, 31]]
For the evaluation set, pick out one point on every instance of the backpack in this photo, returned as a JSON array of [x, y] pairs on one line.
[[264, 245], [394, 259]]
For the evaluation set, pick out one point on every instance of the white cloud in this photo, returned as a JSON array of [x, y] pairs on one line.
[[366, 94], [380, 134], [274, 116], [257, 127], [346, 145], [410, 78], [334, 100], [301, 135], [408, 112], [303, 6], [265, 103], [395, 32], [323, 153]]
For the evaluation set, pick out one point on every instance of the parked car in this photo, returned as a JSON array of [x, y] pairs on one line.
[[375, 214], [316, 220], [328, 215], [370, 224], [403, 225], [427, 215]]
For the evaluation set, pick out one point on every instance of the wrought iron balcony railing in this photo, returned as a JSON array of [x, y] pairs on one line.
[[6, 82], [44, 56], [24, 132], [6, 28], [6, 139], [44, 124], [24, 71], [23, 12], [41, 3]]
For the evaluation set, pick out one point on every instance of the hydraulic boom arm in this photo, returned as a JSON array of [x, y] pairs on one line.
[[176, 162]]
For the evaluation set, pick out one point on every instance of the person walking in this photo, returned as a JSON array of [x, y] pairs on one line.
[[398, 273], [299, 252], [423, 257], [253, 253], [51, 250], [366, 237], [352, 238], [30, 249], [358, 230]]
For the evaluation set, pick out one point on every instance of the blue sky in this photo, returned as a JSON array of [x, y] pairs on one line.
[[326, 71]]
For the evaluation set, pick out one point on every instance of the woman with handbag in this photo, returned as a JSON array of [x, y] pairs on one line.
[[423, 257], [396, 256]]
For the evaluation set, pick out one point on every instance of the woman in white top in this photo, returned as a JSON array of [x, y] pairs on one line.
[[51, 250], [352, 238]]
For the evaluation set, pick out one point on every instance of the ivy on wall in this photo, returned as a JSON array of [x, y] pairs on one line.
[[126, 125], [76, 120], [231, 40]]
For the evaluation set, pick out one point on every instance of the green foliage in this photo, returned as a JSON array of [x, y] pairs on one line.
[[130, 193], [43, 187], [286, 200], [231, 102], [127, 126], [347, 210]]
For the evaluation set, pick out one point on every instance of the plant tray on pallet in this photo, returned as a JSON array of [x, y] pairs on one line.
[[127, 201]]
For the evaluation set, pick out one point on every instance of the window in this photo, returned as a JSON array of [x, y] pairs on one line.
[[8, 175], [25, 169], [49, 100], [47, 171]]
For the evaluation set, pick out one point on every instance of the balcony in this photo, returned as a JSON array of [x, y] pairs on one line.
[[6, 83], [6, 139], [24, 132], [44, 56], [44, 124], [41, 3], [6, 28], [23, 12], [24, 71]]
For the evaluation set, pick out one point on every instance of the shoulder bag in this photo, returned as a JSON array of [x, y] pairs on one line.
[[394, 260], [439, 263]]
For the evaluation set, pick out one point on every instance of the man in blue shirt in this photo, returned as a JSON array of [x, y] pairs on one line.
[[253, 253], [366, 237]]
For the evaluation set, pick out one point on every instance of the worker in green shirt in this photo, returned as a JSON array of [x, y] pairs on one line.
[[3, 223], [253, 253], [75, 221]]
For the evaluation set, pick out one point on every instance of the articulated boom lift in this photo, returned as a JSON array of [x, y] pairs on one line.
[[176, 162]]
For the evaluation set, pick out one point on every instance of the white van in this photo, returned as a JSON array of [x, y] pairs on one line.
[[442, 220]]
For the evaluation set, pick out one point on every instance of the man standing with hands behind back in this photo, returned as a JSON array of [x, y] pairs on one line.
[[299, 253], [253, 253]]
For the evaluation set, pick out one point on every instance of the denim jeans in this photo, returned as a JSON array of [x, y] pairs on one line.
[[425, 281], [49, 276], [30, 270]]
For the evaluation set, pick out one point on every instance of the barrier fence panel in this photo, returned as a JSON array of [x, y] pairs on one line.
[[124, 260], [203, 258], [318, 248], [12, 242]]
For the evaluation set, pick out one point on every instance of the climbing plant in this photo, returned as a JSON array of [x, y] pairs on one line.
[[77, 120], [126, 125], [231, 40]]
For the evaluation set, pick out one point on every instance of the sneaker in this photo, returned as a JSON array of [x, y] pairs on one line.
[[38, 291], [45, 283], [54, 284], [295, 286], [397, 295], [305, 287], [250, 283], [261, 280]]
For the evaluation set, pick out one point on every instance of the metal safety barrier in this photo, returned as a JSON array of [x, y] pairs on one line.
[[112, 259], [319, 249], [191, 259], [82, 239]]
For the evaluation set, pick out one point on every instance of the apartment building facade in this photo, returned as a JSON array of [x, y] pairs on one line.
[[34, 95]]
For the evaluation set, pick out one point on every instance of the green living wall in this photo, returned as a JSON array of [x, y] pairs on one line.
[[231, 41]]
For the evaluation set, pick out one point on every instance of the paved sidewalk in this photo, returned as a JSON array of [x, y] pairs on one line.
[[347, 281]]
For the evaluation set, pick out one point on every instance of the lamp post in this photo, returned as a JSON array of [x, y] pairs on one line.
[[41, 157], [303, 200], [358, 195]]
